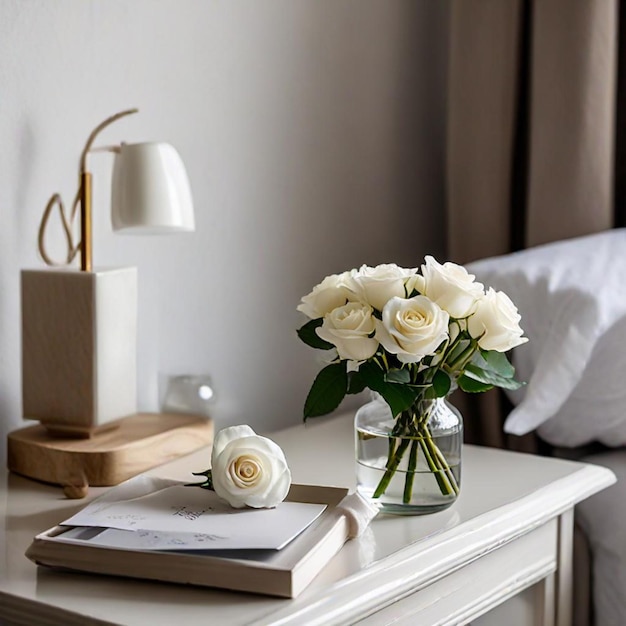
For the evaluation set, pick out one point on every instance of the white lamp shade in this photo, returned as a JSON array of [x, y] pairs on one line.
[[151, 192]]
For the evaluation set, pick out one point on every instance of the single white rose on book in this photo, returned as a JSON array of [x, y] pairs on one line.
[[247, 469]]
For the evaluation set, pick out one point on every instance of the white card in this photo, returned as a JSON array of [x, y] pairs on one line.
[[156, 540], [178, 518]]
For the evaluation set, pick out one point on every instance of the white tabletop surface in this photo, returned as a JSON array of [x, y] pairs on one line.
[[502, 494]]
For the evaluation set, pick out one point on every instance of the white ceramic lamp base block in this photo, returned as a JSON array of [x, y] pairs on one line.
[[79, 354]]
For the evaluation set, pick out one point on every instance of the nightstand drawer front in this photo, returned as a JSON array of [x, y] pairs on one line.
[[479, 586]]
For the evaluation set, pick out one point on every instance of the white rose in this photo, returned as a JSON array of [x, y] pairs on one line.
[[413, 328], [415, 282], [332, 292], [377, 285], [451, 287], [248, 470], [349, 328], [496, 322]]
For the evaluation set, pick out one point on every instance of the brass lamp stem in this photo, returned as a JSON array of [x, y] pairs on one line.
[[85, 222]]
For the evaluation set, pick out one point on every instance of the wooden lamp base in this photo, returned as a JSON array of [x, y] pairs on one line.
[[133, 445]]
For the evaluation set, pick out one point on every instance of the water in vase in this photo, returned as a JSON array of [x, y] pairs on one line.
[[430, 487]]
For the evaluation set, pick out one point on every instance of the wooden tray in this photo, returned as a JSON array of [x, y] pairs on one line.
[[133, 445]]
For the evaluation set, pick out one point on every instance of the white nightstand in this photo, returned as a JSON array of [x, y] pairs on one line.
[[501, 554]]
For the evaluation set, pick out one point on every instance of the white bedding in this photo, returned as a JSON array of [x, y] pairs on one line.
[[602, 518], [572, 299]]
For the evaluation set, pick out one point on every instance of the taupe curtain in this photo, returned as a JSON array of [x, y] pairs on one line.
[[532, 90], [533, 135]]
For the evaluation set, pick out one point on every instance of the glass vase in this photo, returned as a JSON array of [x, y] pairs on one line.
[[410, 464]]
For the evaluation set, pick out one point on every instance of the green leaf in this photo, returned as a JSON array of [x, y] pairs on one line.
[[470, 385], [511, 384], [373, 376], [398, 376], [399, 397], [489, 377], [441, 384], [311, 338], [328, 390], [356, 384], [497, 362]]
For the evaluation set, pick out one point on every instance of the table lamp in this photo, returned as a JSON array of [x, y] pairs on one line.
[[79, 328]]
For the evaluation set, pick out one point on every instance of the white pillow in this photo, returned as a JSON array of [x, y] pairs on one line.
[[572, 299]]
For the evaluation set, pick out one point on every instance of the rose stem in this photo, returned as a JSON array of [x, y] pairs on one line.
[[446, 467], [392, 466], [392, 448], [437, 464], [410, 475], [440, 460], [444, 486]]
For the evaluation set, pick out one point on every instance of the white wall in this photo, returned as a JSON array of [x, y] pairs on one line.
[[312, 133]]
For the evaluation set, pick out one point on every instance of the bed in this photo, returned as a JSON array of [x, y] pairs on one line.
[[572, 298]]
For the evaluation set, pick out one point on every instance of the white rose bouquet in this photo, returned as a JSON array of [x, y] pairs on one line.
[[412, 337]]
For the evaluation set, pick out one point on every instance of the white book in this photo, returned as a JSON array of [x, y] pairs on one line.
[[120, 546]]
